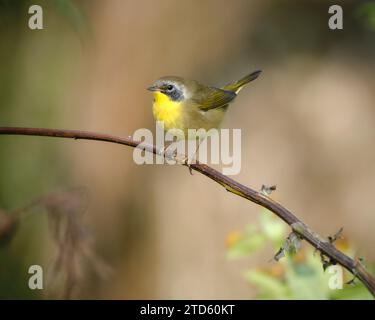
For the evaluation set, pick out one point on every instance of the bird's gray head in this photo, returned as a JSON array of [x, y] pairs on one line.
[[173, 87]]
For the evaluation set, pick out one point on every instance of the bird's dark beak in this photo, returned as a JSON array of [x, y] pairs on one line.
[[153, 88]]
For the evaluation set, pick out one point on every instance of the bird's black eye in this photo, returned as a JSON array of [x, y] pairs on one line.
[[169, 87]]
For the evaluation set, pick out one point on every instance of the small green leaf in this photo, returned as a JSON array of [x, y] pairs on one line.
[[273, 228], [367, 13], [245, 246]]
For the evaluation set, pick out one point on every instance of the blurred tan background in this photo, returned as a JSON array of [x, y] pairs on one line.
[[308, 126]]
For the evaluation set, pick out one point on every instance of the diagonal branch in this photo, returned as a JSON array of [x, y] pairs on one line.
[[325, 247]]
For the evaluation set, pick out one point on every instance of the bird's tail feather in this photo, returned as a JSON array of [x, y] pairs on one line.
[[238, 85]]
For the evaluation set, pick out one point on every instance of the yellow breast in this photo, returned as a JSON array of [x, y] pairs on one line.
[[167, 111]]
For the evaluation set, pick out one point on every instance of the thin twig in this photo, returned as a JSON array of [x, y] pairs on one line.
[[321, 244]]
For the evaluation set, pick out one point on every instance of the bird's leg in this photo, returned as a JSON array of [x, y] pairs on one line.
[[180, 159], [194, 157], [200, 140], [188, 160], [164, 150]]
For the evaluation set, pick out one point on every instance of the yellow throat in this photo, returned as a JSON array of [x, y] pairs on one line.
[[166, 110]]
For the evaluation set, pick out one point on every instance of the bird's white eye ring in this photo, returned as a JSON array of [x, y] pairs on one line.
[[169, 87]]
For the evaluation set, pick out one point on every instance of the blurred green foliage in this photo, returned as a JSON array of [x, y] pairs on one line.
[[67, 9], [35, 72], [299, 275], [366, 13]]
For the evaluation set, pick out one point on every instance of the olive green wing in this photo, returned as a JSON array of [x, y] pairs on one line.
[[212, 98]]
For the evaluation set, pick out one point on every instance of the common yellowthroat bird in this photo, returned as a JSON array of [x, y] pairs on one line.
[[187, 104], [183, 104]]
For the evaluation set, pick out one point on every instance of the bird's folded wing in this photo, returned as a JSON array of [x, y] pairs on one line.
[[212, 98]]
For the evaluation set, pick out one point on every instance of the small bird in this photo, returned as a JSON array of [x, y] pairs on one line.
[[187, 104]]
